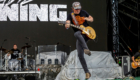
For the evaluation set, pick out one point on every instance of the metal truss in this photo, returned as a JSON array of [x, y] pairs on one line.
[[120, 1], [131, 7], [115, 31], [127, 14]]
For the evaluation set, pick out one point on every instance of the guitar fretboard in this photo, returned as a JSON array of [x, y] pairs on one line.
[[78, 27]]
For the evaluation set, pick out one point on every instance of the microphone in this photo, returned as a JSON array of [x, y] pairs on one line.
[[5, 40], [129, 48], [58, 43], [27, 37], [125, 49]]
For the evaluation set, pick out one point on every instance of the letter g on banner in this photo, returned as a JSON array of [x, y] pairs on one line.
[[53, 12]]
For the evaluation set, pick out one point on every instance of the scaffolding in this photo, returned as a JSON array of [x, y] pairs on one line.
[[115, 29]]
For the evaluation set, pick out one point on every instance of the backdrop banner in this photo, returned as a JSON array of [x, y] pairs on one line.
[[36, 21]]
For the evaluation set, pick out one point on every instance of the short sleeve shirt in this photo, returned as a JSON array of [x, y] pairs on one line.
[[15, 53], [137, 55], [80, 19]]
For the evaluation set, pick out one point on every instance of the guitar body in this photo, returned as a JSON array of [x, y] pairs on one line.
[[134, 66], [89, 31]]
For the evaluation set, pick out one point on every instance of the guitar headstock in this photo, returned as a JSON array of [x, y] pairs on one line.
[[61, 23]]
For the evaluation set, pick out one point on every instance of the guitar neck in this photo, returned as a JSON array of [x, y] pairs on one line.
[[78, 27]]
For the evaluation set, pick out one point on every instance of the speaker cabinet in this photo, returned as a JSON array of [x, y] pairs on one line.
[[125, 64]]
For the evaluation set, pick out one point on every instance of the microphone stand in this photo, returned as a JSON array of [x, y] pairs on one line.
[[125, 50], [26, 53], [1, 55], [35, 55], [64, 49]]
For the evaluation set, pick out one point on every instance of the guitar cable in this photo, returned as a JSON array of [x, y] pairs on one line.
[[96, 39]]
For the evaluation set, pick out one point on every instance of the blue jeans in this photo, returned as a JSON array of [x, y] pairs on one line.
[[81, 44], [13, 63]]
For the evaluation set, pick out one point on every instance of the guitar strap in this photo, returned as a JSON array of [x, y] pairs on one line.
[[73, 17]]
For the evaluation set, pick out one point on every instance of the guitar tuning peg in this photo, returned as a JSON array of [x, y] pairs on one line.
[[61, 24]]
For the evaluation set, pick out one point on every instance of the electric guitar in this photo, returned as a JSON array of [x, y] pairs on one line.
[[89, 31], [137, 64]]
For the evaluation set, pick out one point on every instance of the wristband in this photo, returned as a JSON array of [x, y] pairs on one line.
[[67, 28]]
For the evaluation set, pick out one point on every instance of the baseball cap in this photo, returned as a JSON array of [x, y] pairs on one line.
[[76, 5]]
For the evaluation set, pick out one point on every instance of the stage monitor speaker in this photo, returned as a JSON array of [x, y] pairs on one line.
[[30, 78], [125, 64]]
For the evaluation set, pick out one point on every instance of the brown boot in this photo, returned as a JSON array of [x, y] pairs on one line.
[[87, 51], [88, 75]]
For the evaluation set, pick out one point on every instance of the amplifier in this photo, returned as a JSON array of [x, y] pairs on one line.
[[125, 64]]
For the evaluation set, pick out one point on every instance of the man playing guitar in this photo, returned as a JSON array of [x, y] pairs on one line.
[[137, 55], [134, 64], [80, 18]]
